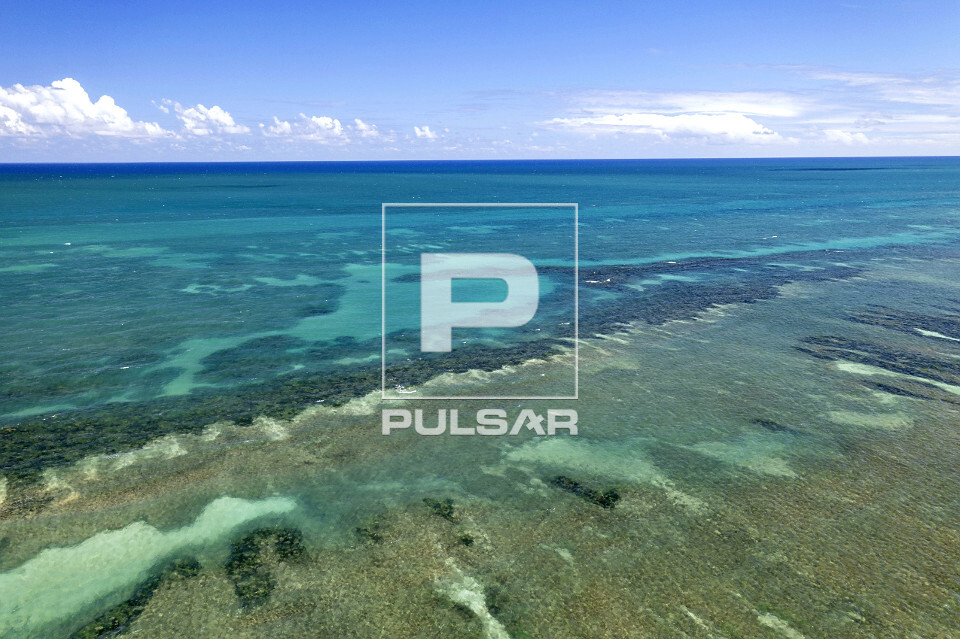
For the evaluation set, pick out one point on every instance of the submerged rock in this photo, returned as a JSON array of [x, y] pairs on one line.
[[441, 508], [370, 533], [605, 499], [776, 427], [913, 389], [288, 543], [247, 565], [943, 326]]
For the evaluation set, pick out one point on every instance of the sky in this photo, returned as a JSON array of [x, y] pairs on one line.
[[255, 81]]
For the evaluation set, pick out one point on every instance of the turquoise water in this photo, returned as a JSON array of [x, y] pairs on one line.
[[769, 369], [131, 282]]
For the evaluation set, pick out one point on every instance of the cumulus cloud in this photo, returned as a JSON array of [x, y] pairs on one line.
[[425, 133], [279, 128], [315, 128], [323, 130], [65, 108], [365, 130], [199, 120], [713, 127]]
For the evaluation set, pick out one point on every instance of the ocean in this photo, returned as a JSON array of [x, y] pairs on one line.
[[765, 356]]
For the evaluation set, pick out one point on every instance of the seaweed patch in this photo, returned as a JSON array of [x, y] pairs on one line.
[[441, 508], [250, 557], [605, 499]]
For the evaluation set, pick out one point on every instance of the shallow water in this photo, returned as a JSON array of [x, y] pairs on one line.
[[779, 423]]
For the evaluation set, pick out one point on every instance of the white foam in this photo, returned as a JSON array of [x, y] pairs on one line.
[[60, 583], [165, 447], [366, 405], [56, 485]]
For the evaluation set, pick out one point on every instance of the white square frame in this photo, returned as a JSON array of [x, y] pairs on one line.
[[576, 295]]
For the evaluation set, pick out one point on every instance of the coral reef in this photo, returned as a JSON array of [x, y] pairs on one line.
[[248, 564]]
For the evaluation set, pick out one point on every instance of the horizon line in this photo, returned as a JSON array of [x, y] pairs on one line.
[[492, 160]]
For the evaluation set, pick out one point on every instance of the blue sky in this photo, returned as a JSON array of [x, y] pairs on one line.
[[179, 81]]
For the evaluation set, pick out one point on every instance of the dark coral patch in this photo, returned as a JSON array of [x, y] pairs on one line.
[[248, 564], [440, 508], [605, 499]]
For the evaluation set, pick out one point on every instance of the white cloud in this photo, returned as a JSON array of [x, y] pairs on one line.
[[759, 103], [833, 107], [851, 78], [365, 130], [199, 120], [845, 137], [64, 108], [11, 122], [321, 129], [325, 127], [425, 133], [712, 117], [930, 90], [911, 109], [278, 128], [713, 127]]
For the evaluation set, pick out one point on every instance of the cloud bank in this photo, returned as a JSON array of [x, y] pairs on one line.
[[724, 128], [322, 129], [806, 110], [65, 108], [199, 120]]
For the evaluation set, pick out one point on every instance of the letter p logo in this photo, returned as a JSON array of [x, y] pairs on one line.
[[452, 269], [439, 314]]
